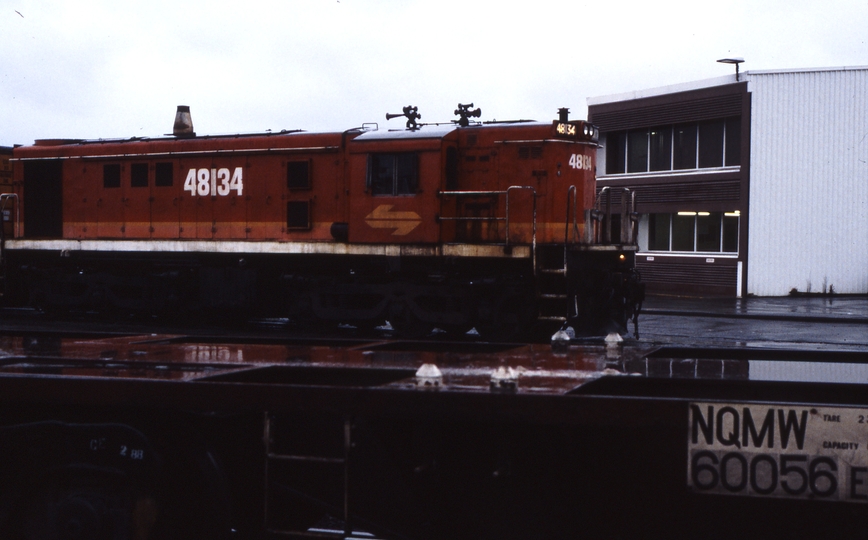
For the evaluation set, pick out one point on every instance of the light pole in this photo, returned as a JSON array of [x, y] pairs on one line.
[[735, 61]]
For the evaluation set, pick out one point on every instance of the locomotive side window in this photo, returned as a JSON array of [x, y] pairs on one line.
[[139, 175], [164, 175], [111, 175], [298, 215], [298, 174], [529, 152], [393, 174]]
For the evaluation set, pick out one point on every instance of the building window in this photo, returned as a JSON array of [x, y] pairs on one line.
[[730, 232], [693, 232], [111, 175], [683, 232], [732, 141], [298, 175], [695, 145], [616, 147], [659, 227], [637, 151], [684, 139], [139, 175], [163, 175], [660, 153], [393, 174], [711, 144]]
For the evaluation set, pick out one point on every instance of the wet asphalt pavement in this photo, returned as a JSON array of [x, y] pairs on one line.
[[821, 323]]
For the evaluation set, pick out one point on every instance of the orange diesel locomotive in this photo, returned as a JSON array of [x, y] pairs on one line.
[[489, 225]]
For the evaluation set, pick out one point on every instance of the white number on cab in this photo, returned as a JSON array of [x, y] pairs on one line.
[[581, 161], [204, 182]]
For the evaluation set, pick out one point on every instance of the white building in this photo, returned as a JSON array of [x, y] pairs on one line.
[[755, 183]]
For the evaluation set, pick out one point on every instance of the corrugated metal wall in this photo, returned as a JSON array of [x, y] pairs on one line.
[[708, 191], [689, 276], [691, 110], [808, 182]]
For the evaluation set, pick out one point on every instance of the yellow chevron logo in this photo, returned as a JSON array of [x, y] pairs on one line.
[[383, 218]]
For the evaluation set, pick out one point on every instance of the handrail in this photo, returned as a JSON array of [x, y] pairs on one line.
[[571, 197], [508, 191], [604, 234], [4, 197], [533, 219], [471, 193], [629, 216]]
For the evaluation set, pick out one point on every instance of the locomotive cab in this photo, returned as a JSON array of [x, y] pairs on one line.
[[516, 181], [395, 176]]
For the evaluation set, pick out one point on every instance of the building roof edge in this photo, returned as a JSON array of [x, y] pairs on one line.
[[663, 90], [805, 70], [707, 83]]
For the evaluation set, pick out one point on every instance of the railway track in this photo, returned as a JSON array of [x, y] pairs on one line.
[[18, 320], [319, 433], [809, 324]]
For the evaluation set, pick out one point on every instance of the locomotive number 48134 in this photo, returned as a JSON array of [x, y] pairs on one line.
[[581, 161], [204, 182]]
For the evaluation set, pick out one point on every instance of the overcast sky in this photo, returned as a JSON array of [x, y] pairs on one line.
[[92, 69]]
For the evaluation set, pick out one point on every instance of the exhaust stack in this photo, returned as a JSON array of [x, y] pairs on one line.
[[183, 122]]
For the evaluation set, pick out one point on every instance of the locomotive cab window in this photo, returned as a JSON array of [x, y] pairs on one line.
[[393, 174], [298, 175]]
